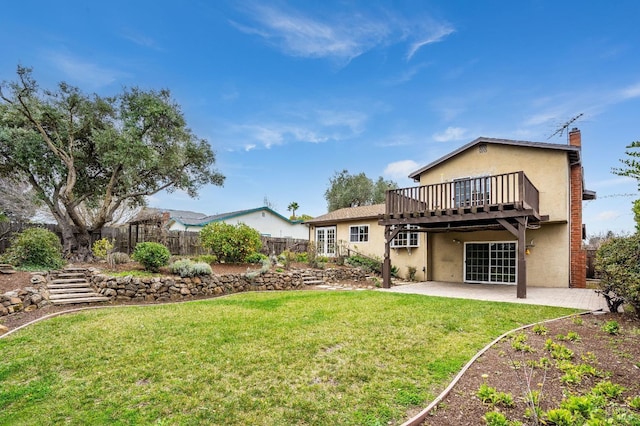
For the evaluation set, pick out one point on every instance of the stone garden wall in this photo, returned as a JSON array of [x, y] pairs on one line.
[[26, 299], [171, 288]]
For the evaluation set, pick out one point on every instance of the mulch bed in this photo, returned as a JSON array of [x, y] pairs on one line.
[[616, 356]]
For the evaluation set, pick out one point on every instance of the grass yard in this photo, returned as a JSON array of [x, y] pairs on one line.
[[285, 358]]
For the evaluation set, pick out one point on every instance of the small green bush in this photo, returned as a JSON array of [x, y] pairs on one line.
[[286, 258], [540, 329], [560, 417], [101, 248], [206, 258], [151, 255], [189, 268], [230, 243], [117, 258], [412, 270], [611, 327], [255, 258], [35, 248], [366, 263]]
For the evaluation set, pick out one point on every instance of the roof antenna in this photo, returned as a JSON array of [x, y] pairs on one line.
[[565, 126]]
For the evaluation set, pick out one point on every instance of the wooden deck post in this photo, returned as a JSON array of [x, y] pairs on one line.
[[386, 264], [522, 261], [519, 232]]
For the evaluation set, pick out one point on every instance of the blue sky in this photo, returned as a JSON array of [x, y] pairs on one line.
[[288, 93]]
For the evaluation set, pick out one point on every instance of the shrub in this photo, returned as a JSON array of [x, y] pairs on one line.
[[611, 327], [151, 255], [286, 258], [189, 268], [366, 263], [206, 258], [540, 329], [230, 243], [117, 258], [618, 262], [35, 248], [255, 258], [412, 270], [101, 248]]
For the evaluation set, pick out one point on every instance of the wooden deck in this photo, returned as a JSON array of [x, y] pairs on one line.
[[464, 203]]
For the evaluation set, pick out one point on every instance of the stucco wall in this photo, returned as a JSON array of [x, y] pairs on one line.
[[547, 262], [547, 169], [401, 258]]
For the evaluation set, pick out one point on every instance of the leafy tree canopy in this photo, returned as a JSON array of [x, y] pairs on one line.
[[81, 151], [346, 190]]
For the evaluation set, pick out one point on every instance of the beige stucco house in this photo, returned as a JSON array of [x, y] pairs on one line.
[[494, 211], [356, 230], [498, 211]]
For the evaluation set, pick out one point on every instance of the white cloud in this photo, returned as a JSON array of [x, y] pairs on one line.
[[631, 91], [614, 182], [400, 169], [608, 215], [433, 34], [341, 36], [450, 134], [81, 71], [140, 39]]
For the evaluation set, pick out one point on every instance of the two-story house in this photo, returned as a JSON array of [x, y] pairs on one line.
[[497, 211]]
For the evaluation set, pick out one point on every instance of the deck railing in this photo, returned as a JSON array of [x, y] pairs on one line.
[[513, 189]]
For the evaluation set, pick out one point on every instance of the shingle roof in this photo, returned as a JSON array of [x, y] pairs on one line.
[[572, 151], [348, 214]]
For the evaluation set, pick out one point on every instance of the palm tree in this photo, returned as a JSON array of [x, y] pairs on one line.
[[293, 207]]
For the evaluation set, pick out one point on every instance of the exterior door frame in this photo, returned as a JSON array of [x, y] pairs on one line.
[[492, 263], [328, 248]]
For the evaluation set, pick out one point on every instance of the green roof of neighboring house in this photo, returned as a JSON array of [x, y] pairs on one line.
[[231, 215]]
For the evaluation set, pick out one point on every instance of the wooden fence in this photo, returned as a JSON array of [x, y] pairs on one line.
[[125, 239]]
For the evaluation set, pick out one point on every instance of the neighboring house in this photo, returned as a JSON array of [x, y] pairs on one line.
[[497, 211], [357, 229], [265, 220]]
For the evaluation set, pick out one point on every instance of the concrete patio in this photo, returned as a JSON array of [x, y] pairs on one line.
[[578, 298]]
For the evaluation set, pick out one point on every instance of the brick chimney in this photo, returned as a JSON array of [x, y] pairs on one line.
[[578, 271]]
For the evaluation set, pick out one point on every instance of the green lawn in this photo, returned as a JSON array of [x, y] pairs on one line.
[[303, 358]]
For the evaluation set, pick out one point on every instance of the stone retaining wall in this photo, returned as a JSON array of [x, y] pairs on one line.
[[27, 299], [170, 288]]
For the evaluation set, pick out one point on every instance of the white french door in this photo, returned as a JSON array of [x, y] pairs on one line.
[[490, 262], [326, 241]]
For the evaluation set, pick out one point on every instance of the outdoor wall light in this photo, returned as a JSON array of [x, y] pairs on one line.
[[456, 241], [528, 247]]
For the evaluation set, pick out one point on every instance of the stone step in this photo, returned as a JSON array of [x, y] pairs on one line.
[[68, 290], [80, 300], [68, 280], [313, 282], [91, 293], [70, 275], [5, 268], [68, 285]]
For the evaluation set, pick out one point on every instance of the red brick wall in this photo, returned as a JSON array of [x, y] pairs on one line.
[[578, 273]]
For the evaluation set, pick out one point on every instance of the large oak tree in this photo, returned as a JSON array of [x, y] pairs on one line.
[[347, 190], [87, 152]]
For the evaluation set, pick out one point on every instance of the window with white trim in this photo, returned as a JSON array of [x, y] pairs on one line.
[[406, 238], [359, 234]]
